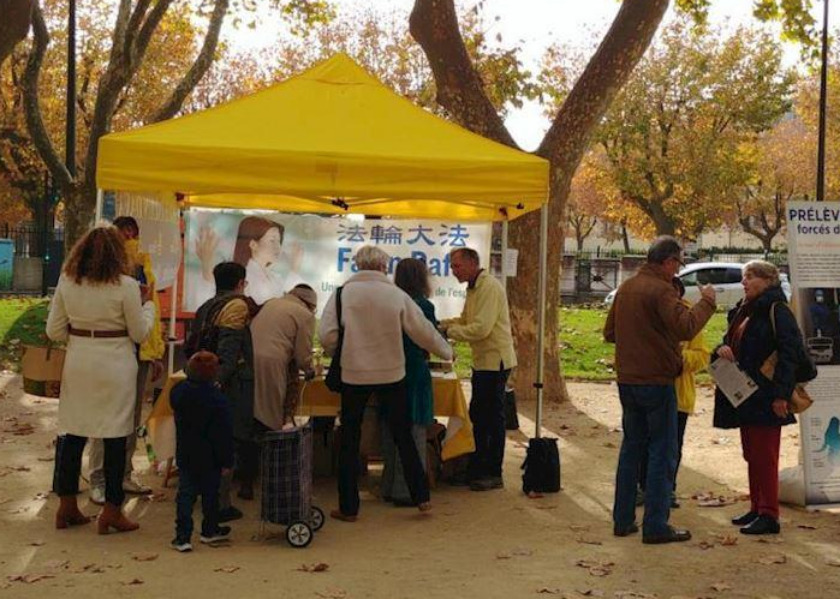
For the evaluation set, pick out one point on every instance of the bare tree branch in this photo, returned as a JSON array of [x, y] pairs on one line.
[[199, 68], [434, 24], [32, 104]]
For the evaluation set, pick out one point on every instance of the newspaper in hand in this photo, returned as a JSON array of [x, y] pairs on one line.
[[735, 384]]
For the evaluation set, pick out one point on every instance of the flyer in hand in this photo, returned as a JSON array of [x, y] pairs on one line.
[[732, 381]]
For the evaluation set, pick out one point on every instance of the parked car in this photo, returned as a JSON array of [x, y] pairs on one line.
[[724, 276]]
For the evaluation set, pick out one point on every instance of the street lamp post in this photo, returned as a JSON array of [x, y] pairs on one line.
[[823, 93]]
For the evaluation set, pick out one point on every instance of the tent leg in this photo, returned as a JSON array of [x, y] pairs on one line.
[[173, 310], [541, 315], [504, 253], [98, 214]]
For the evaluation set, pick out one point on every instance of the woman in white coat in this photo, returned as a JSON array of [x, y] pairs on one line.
[[101, 312]]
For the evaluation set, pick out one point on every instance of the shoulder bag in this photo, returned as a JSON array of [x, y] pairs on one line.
[[333, 378]]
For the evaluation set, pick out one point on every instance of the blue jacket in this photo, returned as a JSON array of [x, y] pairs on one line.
[[203, 427], [756, 345]]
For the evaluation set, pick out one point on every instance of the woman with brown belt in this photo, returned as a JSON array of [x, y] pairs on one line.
[[101, 312]]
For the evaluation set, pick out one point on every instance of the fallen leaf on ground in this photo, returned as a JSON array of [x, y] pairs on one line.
[[319, 567], [721, 586], [596, 568], [155, 497], [549, 591], [772, 559], [36, 544], [332, 594], [56, 564], [144, 557], [704, 545], [133, 581], [41, 496], [610, 445], [586, 541], [28, 578], [546, 507], [634, 595], [91, 569], [711, 499], [806, 527], [579, 527], [727, 540], [47, 458], [227, 569], [833, 562]]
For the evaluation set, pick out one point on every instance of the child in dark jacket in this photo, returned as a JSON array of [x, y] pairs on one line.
[[204, 449]]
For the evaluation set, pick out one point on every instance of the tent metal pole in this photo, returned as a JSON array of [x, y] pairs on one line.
[[504, 253], [173, 307], [541, 315], [97, 215]]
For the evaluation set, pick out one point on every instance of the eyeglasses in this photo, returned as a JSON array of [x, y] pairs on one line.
[[678, 259]]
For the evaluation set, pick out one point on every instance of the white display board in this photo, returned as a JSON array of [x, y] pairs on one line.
[[814, 252]]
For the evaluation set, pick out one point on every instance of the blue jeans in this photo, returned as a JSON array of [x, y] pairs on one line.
[[649, 416], [190, 486]]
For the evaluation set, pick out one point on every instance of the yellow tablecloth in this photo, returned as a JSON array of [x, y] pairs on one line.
[[317, 400]]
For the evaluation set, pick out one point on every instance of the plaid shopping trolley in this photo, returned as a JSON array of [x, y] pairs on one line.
[[287, 484]]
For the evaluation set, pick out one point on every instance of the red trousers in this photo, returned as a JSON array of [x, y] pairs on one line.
[[761, 451]]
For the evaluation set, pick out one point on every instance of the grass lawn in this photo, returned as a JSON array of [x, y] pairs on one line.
[[584, 354], [21, 322]]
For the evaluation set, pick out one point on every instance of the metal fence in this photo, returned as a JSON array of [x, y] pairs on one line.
[[31, 241]]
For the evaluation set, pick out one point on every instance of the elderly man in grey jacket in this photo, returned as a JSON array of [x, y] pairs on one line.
[[374, 315]]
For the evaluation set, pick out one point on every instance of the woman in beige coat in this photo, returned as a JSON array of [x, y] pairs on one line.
[[282, 337], [101, 312]]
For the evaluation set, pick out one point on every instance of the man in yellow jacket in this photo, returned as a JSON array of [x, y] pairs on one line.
[[485, 325], [150, 359]]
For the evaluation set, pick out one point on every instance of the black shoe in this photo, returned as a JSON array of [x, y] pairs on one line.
[[487, 484], [625, 531], [674, 535], [181, 545], [229, 514], [222, 534], [745, 519], [763, 525]]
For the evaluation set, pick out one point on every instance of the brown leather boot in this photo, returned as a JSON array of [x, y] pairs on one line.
[[68, 513], [112, 517]]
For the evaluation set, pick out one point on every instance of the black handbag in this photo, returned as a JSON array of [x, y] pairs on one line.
[[333, 378], [542, 467]]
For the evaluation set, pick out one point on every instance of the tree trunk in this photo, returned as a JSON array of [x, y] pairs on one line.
[[79, 212], [14, 24], [460, 91], [625, 238]]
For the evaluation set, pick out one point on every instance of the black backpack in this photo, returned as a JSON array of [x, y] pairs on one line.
[[204, 334], [542, 467]]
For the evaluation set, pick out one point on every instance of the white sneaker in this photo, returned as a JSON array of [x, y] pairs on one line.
[[130, 485], [97, 495]]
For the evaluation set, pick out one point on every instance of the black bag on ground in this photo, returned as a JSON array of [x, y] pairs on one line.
[[511, 417], [333, 378], [542, 467]]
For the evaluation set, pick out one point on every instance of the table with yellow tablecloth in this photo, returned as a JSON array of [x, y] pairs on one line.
[[317, 400]]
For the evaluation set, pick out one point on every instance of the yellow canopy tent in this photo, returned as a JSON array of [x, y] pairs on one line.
[[332, 139]]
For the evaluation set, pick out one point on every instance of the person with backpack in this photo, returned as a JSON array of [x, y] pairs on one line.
[[221, 326]]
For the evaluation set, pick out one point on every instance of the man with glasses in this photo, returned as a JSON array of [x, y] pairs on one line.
[[647, 321]]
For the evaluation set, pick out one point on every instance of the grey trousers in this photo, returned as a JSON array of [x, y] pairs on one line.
[[393, 483], [96, 459]]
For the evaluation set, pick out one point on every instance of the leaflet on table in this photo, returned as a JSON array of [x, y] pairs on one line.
[[735, 384]]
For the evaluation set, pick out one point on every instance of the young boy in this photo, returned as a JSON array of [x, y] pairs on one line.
[[204, 449]]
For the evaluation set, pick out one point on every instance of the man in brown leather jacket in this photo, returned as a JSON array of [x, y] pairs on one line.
[[646, 322]]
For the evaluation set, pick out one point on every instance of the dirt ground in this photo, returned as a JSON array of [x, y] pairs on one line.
[[497, 544]]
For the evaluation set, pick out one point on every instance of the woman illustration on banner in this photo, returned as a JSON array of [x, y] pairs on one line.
[[259, 245], [831, 441]]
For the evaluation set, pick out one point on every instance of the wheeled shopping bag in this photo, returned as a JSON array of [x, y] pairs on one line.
[[287, 484]]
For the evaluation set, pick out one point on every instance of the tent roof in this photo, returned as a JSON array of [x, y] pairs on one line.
[[331, 132]]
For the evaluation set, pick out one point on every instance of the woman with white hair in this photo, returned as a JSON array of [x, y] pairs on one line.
[[374, 315]]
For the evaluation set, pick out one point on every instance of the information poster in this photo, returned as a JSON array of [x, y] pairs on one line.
[[282, 250], [814, 251]]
